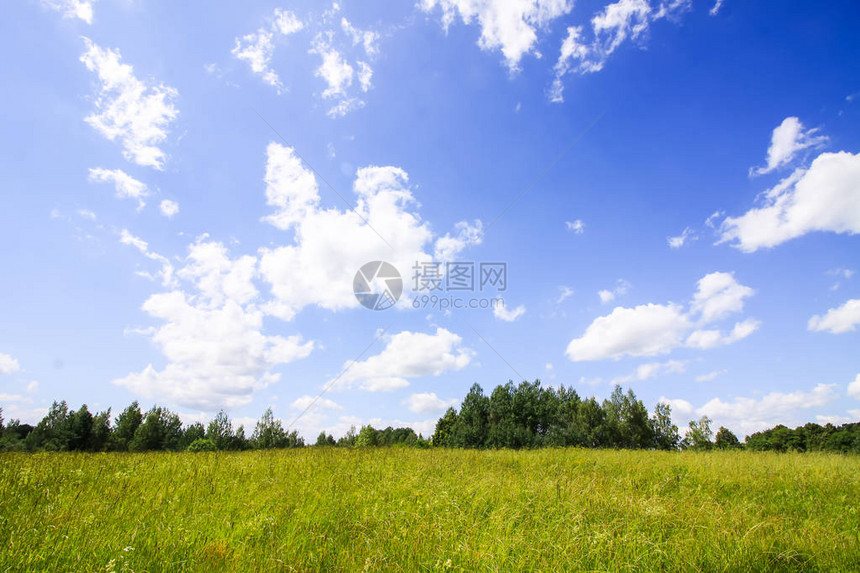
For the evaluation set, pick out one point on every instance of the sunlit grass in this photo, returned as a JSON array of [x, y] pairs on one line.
[[413, 510]]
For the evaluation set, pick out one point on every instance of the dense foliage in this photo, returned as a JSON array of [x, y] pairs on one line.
[[529, 416], [808, 438], [524, 416]]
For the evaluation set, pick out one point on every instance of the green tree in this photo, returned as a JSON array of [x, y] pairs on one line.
[[101, 431], [699, 435], [368, 436], [444, 427], [220, 431], [725, 439], [202, 445], [53, 433], [268, 433], [160, 430], [470, 431], [194, 432], [325, 440], [80, 429], [126, 424], [665, 432]]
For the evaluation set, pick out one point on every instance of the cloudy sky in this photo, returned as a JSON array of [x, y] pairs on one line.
[[188, 192]]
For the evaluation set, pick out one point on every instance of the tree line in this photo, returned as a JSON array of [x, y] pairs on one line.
[[527, 415]]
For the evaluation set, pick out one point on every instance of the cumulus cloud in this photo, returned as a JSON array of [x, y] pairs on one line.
[[854, 388], [169, 208], [304, 402], [752, 414], [8, 365], [330, 245], [718, 295], [654, 329], [407, 355], [652, 370], [258, 47], [825, 197], [126, 186], [428, 402], [135, 113], [679, 406], [508, 26], [617, 23], [838, 320], [217, 353], [80, 9], [502, 313], [645, 330], [788, 139]]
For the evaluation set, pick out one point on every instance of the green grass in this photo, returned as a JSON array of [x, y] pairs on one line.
[[422, 510]]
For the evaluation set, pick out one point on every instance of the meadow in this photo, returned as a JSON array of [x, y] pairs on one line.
[[403, 509]]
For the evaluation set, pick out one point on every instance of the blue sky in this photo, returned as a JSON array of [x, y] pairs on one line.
[[674, 188]]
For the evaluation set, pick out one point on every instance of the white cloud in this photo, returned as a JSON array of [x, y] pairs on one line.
[[651, 370], [87, 214], [854, 388], [705, 339], [428, 402], [169, 208], [257, 48], [304, 402], [719, 295], [465, 235], [716, 7], [710, 376], [32, 387], [838, 320], [338, 75], [654, 329], [678, 242], [618, 22], [126, 186], [8, 365], [774, 408], [788, 139], [502, 313], [621, 288], [840, 273], [128, 110], [217, 355], [166, 273], [577, 226], [407, 355], [826, 197], [80, 9], [366, 38], [330, 245], [679, 406], [564, 293], [510, 26], [645, 330]]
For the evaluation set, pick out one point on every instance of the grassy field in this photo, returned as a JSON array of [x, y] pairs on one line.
[[421, 510]]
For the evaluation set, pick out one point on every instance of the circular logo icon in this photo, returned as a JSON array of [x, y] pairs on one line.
[[377, 285]]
